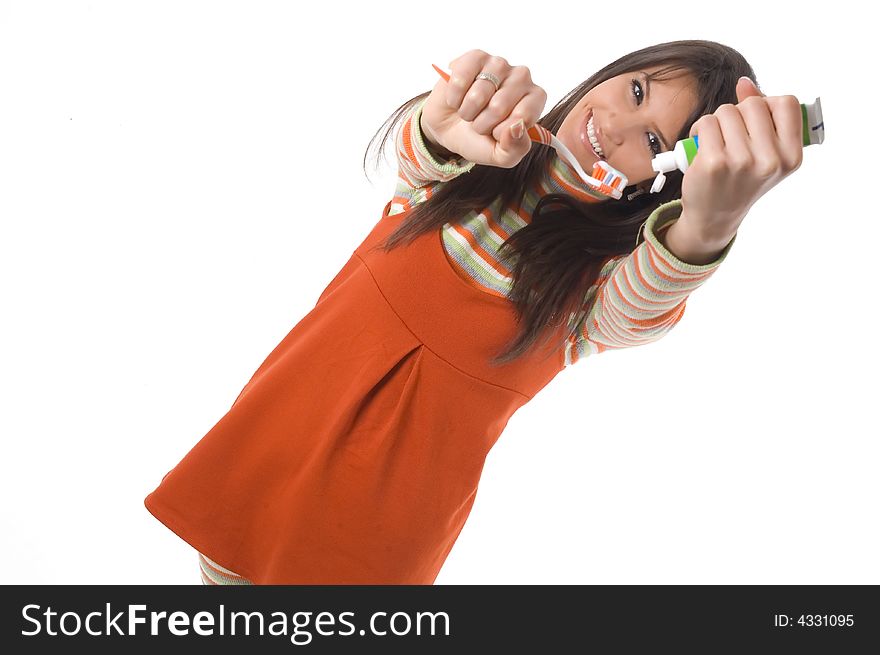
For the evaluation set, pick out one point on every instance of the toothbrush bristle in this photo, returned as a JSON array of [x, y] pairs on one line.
[[604, 173]]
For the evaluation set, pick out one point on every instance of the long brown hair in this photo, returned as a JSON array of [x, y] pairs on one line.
[[559, 254]]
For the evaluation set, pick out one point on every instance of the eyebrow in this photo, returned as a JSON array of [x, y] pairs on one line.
[[647, 100]]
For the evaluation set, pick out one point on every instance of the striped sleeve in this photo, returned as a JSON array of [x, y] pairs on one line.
[[418, 169], [639, 297]]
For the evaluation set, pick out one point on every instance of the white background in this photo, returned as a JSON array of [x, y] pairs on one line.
[[180, 180]]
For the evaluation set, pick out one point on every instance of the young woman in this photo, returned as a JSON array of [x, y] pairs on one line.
[[354, 453]]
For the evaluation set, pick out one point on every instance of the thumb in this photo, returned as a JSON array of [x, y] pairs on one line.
[[745, 88], [511, 147]]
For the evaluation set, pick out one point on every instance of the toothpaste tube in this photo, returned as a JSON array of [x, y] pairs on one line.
[[682, 155]]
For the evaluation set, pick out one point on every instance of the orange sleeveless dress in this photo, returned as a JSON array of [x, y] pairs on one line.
[[353, 454]]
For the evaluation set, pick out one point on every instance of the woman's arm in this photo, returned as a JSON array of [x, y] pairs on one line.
[[638, 298], [419, 167], [685, 244]]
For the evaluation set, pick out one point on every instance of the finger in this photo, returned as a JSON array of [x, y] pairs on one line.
[[711, 140], [461, 73], [513, 89], [529, 108], [480, 92], [510, 150], [787, 118], [745, 88], [763, 139], [738, 145], [499, 107]]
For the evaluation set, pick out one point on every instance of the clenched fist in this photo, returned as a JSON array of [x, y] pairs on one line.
[[471, 118], [745, 150]]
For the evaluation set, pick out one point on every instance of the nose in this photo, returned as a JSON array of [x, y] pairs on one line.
[[616, 127], [609, 131]]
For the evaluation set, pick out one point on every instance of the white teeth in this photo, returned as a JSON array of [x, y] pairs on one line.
[[591, 133]]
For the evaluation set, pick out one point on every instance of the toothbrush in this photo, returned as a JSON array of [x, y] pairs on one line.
[[604, 179]]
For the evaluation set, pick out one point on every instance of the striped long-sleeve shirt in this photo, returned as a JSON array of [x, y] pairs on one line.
[[636, 299]]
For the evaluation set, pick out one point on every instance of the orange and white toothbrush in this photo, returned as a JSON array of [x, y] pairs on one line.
[[604, 178]]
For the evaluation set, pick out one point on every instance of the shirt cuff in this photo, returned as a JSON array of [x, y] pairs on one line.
[[663, 217]]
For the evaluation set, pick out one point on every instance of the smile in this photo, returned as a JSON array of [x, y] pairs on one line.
[[590, 140]]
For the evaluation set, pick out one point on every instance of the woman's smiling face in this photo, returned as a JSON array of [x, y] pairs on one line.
[[632, 119]]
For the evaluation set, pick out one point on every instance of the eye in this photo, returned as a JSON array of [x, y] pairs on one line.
[[653, 143]]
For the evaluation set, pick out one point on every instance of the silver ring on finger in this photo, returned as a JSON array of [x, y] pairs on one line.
[[491, 77]]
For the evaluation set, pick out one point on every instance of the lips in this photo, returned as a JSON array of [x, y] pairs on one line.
[[585, 139]]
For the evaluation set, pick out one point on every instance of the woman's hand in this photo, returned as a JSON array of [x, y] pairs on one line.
[[470, 118], [745, 150]]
